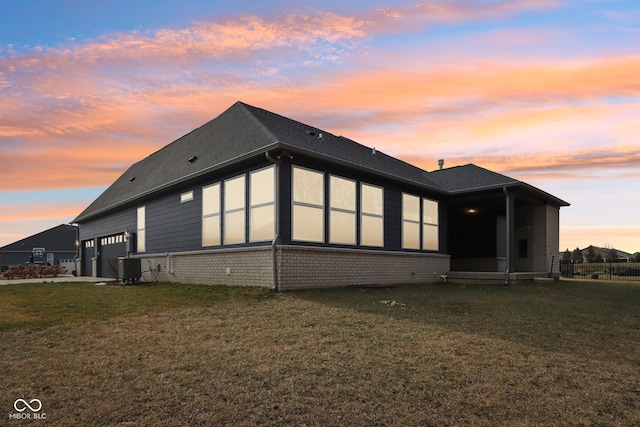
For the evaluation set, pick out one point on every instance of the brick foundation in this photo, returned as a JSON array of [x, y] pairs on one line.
[[299, 267], [314, 267]]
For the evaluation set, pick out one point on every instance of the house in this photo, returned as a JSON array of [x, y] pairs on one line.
[[600, 254], [56, 246], [255, 198]]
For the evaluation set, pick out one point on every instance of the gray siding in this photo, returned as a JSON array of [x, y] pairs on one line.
[[172, 226], [109, 225]]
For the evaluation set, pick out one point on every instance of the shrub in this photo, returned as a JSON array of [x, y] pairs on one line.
[[33, 271]]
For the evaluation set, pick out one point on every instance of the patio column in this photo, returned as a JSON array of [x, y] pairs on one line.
[[509, 207]]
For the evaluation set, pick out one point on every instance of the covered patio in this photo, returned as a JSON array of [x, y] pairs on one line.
[[507, 233]]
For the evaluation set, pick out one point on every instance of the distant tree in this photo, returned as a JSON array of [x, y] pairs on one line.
[[591, 254], [598, 258], [566, 256], [576, 255], [636, 258]]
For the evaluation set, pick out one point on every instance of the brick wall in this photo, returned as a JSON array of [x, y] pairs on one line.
[[232, 267], [315, 267], [545, 238], [298, 267]]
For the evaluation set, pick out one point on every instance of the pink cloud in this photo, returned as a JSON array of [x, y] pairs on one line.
[[71, 116], [426, 14]]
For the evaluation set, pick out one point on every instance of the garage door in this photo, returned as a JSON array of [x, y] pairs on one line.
[[110, 249]]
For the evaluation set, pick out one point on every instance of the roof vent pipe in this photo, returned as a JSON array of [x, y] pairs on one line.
[[441, 163]]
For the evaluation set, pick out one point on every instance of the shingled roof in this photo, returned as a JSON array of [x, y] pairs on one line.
[[239, 133], [61, 238], [470, 178], [243, 132]]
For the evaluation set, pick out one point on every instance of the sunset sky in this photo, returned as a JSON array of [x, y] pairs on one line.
[[544, 91]]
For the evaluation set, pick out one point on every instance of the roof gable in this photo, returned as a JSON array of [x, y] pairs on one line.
[[57, 239], [227, 138]]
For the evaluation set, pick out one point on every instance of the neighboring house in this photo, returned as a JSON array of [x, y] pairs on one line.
[[605, 254], [56, 246], [254, 198]]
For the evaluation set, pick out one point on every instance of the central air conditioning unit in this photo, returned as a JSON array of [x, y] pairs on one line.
[[129, 269]]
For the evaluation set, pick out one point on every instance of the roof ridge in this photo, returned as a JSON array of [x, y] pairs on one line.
[[246, 108]]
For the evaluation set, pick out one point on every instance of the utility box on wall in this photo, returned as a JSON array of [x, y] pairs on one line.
[[129, 269]]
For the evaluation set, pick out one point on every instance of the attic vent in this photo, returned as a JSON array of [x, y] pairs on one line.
[[193, 159], [133, 178]]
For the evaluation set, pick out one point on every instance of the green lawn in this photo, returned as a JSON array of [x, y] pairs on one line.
[[566, 353]]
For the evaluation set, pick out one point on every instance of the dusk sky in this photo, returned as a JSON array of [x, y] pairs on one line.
[[544, 91]]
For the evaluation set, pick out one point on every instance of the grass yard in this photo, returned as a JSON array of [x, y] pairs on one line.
[[165, 355]]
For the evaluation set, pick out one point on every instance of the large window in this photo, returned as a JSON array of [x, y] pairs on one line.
[[410, 221], [371, 215], [419, 230], [211, 215], [234, 210], [308, 205], [342, 210], [262, 204], [430, 225], [141, 221]]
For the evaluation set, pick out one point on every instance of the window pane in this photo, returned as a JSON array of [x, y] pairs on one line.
[[342, 193], [371, 231], [371, 199], [141, 218], [410, 207], [307, 224], [262, 186], [342, 227], [234, 195], [234, 227], [410, 235], [262, 223], [141, 241], [308, 186], [211, 230], [430, 237], [211, 199], [429, 211], [186, 197]]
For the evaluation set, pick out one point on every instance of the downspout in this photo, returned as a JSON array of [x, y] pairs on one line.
[[277, 219], [508, 221]]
